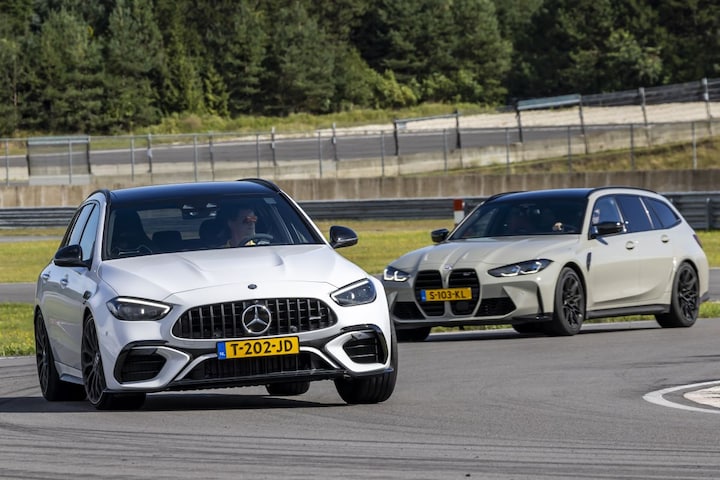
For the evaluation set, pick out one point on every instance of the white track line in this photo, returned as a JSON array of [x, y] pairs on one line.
[[657, 397]]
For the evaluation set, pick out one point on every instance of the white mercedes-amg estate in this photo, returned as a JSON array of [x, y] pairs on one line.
[[207, 285]]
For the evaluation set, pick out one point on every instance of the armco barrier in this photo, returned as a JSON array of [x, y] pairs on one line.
[[701, 209]]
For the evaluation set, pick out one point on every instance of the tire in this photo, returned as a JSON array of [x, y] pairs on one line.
[[413, 334], [52, 388], [288, 389], [684, 301], [372, 389], [94, 376], [569, 311]]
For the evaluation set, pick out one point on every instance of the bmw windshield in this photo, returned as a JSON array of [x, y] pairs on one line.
[[522, 216]]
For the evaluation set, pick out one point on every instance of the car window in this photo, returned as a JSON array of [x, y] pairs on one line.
[[78, 224], [662, 215], [634, 213], [202, 223], [87, 239], [523, 216], [605, 210]]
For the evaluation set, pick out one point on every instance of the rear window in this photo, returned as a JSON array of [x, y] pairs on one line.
[[662, 215]]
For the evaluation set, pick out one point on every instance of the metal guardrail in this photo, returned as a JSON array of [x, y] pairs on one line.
[[700, 209]]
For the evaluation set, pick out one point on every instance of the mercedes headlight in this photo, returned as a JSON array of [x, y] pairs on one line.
[[358, 293], [124, 308]]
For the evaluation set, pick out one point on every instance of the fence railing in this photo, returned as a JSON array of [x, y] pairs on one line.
[[407, 146], [700, 209]]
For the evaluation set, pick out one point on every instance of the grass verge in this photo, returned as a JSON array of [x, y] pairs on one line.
[[380, 242]]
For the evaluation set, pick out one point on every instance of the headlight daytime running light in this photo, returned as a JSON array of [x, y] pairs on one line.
[[521, 268], [392, 274], [358, 293], [134, 309]]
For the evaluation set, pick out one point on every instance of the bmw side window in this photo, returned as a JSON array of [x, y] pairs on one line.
[[662, 214], [605, 210], [634, 212]]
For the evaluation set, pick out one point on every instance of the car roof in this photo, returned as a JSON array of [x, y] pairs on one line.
[[180, 190], [563, 193]]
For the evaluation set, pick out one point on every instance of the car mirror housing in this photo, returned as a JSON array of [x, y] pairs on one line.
[[70, 256], [605, 228], [342, 237], [439, 235]]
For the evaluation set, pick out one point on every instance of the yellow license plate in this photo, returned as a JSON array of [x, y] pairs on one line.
[[446, 294], [261, 347]]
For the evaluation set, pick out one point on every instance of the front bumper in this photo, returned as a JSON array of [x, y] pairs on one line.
[[495, 301], [148, 367]]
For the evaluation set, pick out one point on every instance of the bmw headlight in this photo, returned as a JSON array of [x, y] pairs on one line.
[[357, 293], [522, 268], [392, 274], [124, 308]]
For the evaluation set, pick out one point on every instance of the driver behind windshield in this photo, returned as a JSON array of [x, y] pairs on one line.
[[241, 224]]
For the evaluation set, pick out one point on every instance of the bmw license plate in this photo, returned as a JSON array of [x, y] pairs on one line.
[[261, 347], [446, 294]]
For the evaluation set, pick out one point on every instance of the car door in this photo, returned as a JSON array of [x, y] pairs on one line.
[[613, 263], [655, 245], [66, 289]]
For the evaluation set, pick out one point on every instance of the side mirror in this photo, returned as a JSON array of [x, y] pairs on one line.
[[606, 228], [70, 256], [342, 237], [439, 235]]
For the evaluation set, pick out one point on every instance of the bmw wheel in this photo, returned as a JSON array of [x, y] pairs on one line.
[[52, 388], [684, 304], [569, 304], [372, 389], [94, 376]]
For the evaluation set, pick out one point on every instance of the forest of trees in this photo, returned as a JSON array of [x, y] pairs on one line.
[[115, 66]]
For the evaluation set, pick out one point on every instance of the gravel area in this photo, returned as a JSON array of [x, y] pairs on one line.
[[665, 113]]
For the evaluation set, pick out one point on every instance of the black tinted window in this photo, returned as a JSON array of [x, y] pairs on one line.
[[524, 215], [634, 213], [175, 225], [663, 216], [81, 217], [87, 241]]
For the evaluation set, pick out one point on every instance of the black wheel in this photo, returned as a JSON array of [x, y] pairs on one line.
[[684, 303], [94, 376], [372, 389], [569, 304], [413, 334], [52, 388], [288, 389]]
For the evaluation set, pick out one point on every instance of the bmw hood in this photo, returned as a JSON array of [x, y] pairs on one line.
[[160, 276], [492, 251]]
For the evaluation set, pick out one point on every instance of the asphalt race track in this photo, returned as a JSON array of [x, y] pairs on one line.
[[484, 405]]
